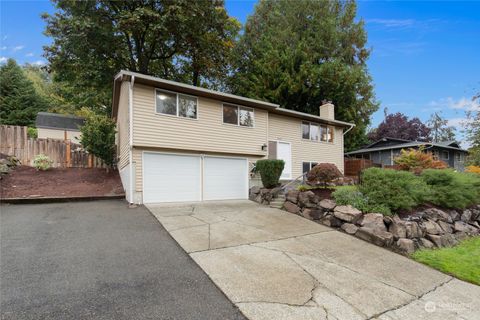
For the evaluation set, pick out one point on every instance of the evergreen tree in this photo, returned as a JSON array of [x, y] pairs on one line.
[[298, 53], [19, 102]]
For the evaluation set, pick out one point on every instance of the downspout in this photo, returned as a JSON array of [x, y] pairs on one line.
[[343, 145], [130, 121], [351, 127]]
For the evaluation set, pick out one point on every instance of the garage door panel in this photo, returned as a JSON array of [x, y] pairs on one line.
[[225, 178], [171, 178]]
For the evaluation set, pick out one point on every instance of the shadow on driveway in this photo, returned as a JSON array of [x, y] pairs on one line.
[[99, 260]]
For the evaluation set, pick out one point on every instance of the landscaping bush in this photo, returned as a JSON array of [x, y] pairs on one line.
[[323, 173], [392, 189], [270, 171], [32, 133], [98, 137], [473, 169], [350, 195], [452, 189], [42, 162], [416, 160]]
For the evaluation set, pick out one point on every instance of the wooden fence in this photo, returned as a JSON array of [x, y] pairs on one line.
[[64, 154], [354, 166]]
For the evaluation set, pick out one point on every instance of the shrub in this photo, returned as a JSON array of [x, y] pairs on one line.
[[392, 189], [32, 133], [452, 189], [323, 173], [417, 160], [350, 195], [270, 171], [473, 169], [42, 162], [98, 137]]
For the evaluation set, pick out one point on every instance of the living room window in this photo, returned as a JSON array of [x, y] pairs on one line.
[[317, 132], [174, 104], [308, 165], [240, 116]]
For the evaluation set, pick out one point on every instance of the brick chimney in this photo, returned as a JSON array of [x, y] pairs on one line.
[[327, 110]]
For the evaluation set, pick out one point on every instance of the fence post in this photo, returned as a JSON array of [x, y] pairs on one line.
[[68, 155], [90, 160]]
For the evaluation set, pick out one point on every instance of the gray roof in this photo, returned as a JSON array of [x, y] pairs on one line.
[[404, 146], [58, 121]]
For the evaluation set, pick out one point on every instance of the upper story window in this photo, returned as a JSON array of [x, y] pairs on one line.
[[317, 132], [240, 116], [175, 104]]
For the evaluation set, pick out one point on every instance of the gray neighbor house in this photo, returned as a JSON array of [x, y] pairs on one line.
[[385, 150]]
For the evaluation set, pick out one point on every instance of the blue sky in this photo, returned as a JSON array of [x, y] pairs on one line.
[[425, 55]]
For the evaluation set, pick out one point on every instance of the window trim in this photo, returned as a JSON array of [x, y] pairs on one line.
[[238, 115], [310, 164], [177, 95], [319, 131], [442, 153]]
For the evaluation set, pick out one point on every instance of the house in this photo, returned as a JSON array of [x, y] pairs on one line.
[[59, 126], [177, 142], [385, 150]]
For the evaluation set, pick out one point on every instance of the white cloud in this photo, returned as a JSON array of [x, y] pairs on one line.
[[393, 23], [458, 104], [38, 63], [30, 54], [3, 48], [3, 59], [17, 48]]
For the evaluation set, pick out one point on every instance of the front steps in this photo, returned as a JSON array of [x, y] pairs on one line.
[[278, 201]]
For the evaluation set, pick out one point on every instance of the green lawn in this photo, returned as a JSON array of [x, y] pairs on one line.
[[461, 261]]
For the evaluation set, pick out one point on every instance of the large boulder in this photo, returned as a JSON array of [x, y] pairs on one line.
[[466, 215], [292, 196], [425, 243], [436, 239], [331, 221], [406, 245], [431, 227], [454, 215], [349, 228], [375, 236], [446, 227], [460, 226], [397, 228], [327, 204], [413, 230], [307, 199], [435, 214], [312, 214], [291, 207], [373, 221], [347, 213]]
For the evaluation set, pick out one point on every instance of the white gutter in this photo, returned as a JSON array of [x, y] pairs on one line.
[[130, 121], [351, 127]]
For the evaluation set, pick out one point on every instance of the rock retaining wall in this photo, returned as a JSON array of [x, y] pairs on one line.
[[426, 228]]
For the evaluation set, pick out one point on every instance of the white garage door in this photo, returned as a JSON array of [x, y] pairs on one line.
[[225, 178], [184, 178], [171, 178]]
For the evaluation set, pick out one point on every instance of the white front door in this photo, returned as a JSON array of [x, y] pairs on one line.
[[284, 152]]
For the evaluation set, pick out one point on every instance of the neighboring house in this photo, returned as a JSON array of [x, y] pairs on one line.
[[59, 126], [178, 142], [385, 150]]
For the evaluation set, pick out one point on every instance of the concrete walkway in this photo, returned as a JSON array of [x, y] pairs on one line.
[[276, 265]]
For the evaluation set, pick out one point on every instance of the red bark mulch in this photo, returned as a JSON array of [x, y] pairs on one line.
[[26, 181], [323, 193]]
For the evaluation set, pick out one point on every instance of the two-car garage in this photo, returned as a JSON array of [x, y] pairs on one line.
[[184, 178]]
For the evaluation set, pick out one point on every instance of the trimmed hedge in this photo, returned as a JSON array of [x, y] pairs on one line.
[[270, 171]]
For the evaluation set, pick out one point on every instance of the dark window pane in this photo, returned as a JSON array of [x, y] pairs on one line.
[[313, 165], [246, 117], [323, 133], [230, 114], [166, 102], [305, 130], [306, 167], [187, 107]]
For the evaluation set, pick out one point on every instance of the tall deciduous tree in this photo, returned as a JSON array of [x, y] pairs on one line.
[[19, 102], [439, 128], [298, 53], [399, 126], [178, 40]]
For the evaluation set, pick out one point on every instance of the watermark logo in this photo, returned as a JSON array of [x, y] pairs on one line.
[[430, 306]]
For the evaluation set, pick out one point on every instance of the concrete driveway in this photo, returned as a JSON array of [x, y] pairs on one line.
[[99, 260], [276, 265]]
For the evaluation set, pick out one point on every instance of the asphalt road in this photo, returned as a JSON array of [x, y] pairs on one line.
[[99, 260]]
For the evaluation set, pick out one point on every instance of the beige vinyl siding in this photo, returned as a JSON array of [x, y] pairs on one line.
[[137, 160], [207, 133], [46, 133], [290, 130], [123, 128]]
